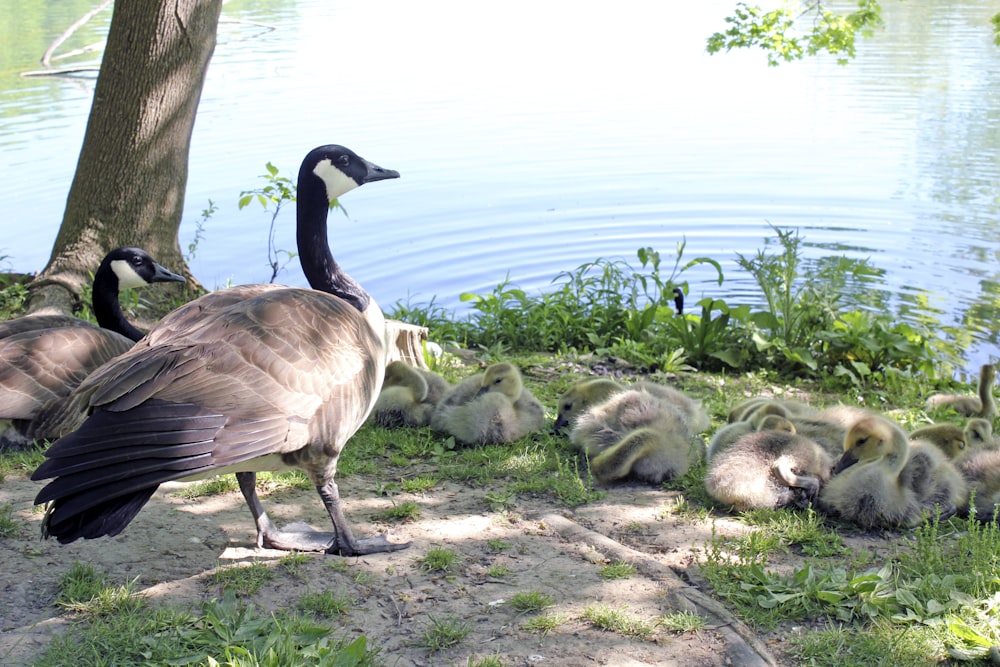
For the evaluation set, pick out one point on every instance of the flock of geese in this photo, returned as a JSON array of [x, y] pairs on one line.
[[265, 377]]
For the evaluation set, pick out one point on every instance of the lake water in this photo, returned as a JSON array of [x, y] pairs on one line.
[[533, 137]]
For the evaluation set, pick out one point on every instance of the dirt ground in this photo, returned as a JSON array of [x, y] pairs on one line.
[[174, 544]]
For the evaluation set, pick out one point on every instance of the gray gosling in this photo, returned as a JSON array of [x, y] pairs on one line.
[[409, 396], [979, 435], [768, 470], [639, 435], [744, 410], [492, 407], [582, 396], [982, 405], [770, 416], [949, 438]]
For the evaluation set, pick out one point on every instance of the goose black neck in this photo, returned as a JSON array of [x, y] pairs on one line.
[[107, 308], [321, 269]]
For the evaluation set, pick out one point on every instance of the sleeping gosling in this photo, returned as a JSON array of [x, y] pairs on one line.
[[492, 407]]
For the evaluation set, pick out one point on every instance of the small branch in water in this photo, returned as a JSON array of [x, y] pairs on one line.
[[47, 57]]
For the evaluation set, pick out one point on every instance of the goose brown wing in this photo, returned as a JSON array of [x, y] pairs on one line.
[[37, 367], [269, 375]]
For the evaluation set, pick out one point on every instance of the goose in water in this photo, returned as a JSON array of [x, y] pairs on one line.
[[279, 377], [44, 357], [491, 407]]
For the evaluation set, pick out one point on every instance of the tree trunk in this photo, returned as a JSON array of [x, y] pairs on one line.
[[132, 171]]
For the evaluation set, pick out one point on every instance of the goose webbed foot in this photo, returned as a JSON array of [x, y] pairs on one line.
[[345, 543]]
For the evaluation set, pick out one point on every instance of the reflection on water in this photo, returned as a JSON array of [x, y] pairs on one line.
[[532, 138]]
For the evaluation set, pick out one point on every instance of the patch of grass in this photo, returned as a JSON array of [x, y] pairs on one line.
[[400, 512], [498, 545], [10, 526], [418, 484], [225, 633], [618, 621], [85, 590], [23, 461], [880, 645], [530, 601], [500, 501], [498, 571], [617, 570], [243, 580], [487, 661], [543, 624], [292, 563], [439, 559], [682, 621], [216, 486], [444, 633], [325, 603], [805, 529]]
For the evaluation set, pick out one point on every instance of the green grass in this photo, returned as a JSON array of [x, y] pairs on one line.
[[619, 621], [529, 602], [10, 525], [325, 604], [439, 559], [243, 580], [682, 621], [444, 633], [617, 570], [400, 513], [225, 633]]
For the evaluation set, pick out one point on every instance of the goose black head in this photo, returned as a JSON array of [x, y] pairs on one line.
[[135, 268], [341, 169]]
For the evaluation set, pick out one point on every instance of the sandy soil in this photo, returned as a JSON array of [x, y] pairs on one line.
[[174, 544]]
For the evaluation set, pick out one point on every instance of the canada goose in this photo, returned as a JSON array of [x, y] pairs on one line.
[[637, 434], [41, 365], [678, 300], [865, 487], [982, 405], [949, 438], [489, 408], [581, 396], [408, 397], [770, 416], [767, 470], [283, 378]]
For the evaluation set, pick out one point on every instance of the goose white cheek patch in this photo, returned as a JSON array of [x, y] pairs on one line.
[[337, 182], [127, 277]]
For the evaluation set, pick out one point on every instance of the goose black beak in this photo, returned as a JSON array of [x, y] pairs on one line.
[[164, 275], [377, 173], [846, 460]]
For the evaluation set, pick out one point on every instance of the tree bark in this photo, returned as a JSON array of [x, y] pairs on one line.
[[132, 170]]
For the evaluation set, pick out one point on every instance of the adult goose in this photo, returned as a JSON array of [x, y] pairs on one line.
[[278, 377], [44, 357]]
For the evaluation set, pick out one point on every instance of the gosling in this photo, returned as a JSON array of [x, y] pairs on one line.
[[409, 396], [492, 407]]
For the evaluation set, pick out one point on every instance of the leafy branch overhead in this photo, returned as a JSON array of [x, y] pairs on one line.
[[796, 30]]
